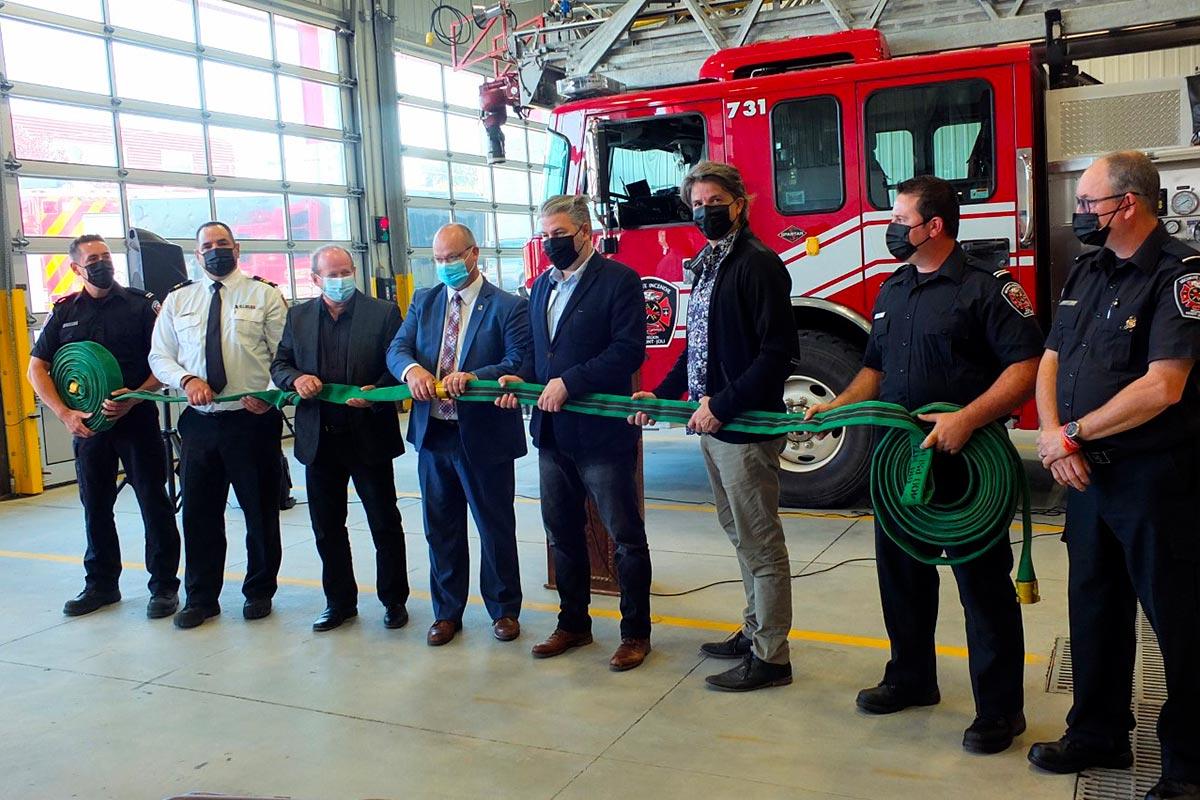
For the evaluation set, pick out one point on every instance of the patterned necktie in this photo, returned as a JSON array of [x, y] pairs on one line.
[[213, 356], [449, 352]]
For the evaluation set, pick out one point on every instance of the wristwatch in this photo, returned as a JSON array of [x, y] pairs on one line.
[[1072, 432]]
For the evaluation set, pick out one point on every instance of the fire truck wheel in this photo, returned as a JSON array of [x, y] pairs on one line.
[[831, 472]]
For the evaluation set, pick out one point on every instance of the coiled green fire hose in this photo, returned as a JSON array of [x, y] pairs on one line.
[[86, 374]]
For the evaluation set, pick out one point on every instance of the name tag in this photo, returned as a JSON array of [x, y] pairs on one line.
[[71, 323], [1068, 302], [881, 315]]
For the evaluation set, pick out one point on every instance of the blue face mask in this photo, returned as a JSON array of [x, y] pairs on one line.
[[339, 290], [453, 274]]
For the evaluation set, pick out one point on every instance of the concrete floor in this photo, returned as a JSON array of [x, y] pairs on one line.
[[113, 705]]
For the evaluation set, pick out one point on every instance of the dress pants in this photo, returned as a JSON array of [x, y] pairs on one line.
[[136, 442], [566, 481], [908, 590], [1132, 537], [327, 478], [239, 448], [450, 483]]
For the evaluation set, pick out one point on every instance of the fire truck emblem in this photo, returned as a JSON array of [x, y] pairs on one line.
[[661, 301], [1015, 296], [792, 234], [1187, 295]]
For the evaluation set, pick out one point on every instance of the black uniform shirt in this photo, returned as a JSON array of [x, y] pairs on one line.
[[333, 358], [947, 336], [122, 321], [1113, 319]]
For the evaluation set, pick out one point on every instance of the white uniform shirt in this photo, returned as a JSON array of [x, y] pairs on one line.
[[469, 293], [252, 318]]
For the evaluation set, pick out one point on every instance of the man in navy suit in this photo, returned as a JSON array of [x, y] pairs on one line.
[[588, 319], [340, 337], [465, 329]]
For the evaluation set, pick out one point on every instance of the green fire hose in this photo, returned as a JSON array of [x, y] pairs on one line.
[[86, 374]]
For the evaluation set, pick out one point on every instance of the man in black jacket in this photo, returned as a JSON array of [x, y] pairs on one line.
[[342, 337], [741, 340]]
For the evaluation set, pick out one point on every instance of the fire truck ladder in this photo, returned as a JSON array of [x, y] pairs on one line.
[[643, 43]]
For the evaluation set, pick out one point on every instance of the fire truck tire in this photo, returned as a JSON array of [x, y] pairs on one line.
[[831, 472]]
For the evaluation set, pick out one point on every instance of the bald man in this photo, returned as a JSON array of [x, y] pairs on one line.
[[461, 330], [341, 337]]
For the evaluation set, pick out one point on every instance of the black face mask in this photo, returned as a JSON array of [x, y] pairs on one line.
[[713, 221], [561, 250], [100, 274], [1087, 226], [220, 261], [898, 243]]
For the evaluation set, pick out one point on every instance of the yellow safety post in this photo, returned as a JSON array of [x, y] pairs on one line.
[[20, 413]]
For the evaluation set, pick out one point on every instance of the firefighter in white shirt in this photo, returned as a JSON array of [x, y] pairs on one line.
[[217, 336]]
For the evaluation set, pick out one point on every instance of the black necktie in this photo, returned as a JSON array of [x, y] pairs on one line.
[[212, 343]]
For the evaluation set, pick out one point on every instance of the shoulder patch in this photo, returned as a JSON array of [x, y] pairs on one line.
[[1014, 295], [1187, 295], [180, 285]]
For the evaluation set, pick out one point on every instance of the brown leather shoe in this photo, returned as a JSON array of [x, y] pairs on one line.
[[560, 642], [442, 632], [506, 629], [630, 654]]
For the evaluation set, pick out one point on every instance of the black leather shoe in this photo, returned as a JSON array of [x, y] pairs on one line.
[[988, 735], [1168, 789], [256, 608], [753, 673], [162, 605], [395, 616], [90, 600], [736, 646], [885, 699], [1066, 756], [333, 617], [193, 616]]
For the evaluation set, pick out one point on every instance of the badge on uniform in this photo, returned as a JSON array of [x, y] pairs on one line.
[[1187, 295], [1015, 296], [1130, 324]]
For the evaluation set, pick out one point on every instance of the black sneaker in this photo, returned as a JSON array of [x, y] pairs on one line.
[[736, 646], [753, 673], [191, 616], [1066, 756], [257, 608], [988, 735], [162, 605], [887, 699], [1168, 789], [90, 600]]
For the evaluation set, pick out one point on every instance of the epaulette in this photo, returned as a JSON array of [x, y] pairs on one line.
[[1181, 250], [152, 299], [180, 285], [1003, 274], [66, 297], [264, 280]]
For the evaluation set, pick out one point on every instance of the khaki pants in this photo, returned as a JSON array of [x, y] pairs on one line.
[[745, 484]]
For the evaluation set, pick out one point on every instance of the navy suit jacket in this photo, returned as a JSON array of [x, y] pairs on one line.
[[376, 430], [495, 343], [599, 345]]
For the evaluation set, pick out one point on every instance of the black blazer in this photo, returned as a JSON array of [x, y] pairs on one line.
[[599, 345], [751, 337], [375, 430]]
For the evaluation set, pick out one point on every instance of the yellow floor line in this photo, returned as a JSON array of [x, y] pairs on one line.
[[822, 637]]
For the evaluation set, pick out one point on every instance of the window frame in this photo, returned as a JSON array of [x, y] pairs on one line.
[[841, 135]]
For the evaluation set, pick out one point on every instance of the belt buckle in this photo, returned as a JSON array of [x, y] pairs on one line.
[[1099, 457]]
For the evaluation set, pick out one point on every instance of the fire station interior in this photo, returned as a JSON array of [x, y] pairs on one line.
[[369, 124]]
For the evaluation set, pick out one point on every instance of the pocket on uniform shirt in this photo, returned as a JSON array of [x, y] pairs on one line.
[[1116, 347], [248, 322], [186, 326]]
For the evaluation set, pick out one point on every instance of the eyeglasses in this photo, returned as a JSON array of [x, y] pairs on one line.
[[453, 258], [1085, 204]]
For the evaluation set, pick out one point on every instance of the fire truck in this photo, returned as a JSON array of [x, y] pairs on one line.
[[823, 128]]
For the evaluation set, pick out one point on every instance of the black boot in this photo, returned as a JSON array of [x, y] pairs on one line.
[[988, 735], [1066, 756], [1168, 789], [90, 600], [887, 699]]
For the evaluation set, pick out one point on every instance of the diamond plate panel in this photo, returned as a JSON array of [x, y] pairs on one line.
[[1128, 122]]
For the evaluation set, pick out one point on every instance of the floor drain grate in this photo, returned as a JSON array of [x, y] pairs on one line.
[[1149, 692], [1059, 680]]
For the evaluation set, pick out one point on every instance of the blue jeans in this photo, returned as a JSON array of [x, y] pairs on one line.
[[566, 481]]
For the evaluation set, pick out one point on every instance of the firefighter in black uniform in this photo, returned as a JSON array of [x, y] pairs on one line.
[[948, 328], [122, 320], [1120, 425]]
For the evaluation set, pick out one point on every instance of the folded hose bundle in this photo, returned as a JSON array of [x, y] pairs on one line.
[[902, 487]]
